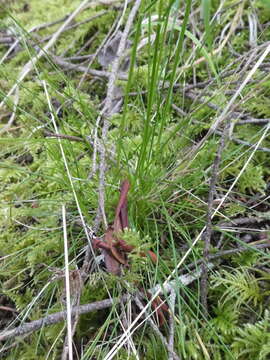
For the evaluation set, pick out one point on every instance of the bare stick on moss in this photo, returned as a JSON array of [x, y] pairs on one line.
[[63, 136], [224, 253], [245, 143], [87, 308], [80, 68], [208, 230], [58, 317]]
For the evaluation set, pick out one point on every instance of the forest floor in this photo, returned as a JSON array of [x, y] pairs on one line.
[[135, 176]]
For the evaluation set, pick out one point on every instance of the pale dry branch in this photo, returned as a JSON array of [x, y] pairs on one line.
[[58, 317], [51, 319]]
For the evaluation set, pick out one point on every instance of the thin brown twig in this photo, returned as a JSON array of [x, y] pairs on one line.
[[208, 231], [72, 138], [63, 136], [8, 308]]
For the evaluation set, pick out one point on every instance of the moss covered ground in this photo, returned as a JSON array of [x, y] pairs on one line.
[[183, 114]]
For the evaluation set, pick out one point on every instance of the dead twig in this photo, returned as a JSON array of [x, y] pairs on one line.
[[63, 136], [7, 308], [253, 121], [6, 40], [245, 143], [98, 305], [241, 221], [76, 67], [74, 138], [60, 316], [223, 253], [208, 230]]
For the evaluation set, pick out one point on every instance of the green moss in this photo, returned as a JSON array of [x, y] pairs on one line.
[[167, 202]]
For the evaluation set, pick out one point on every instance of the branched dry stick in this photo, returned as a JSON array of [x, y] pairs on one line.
[[157, 331], [104, 304], [237, 141], [245, 143], [106, 112], [84, 309], [208, 231], [94, 158], [76, 67], [60, 316], [222, 253]]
